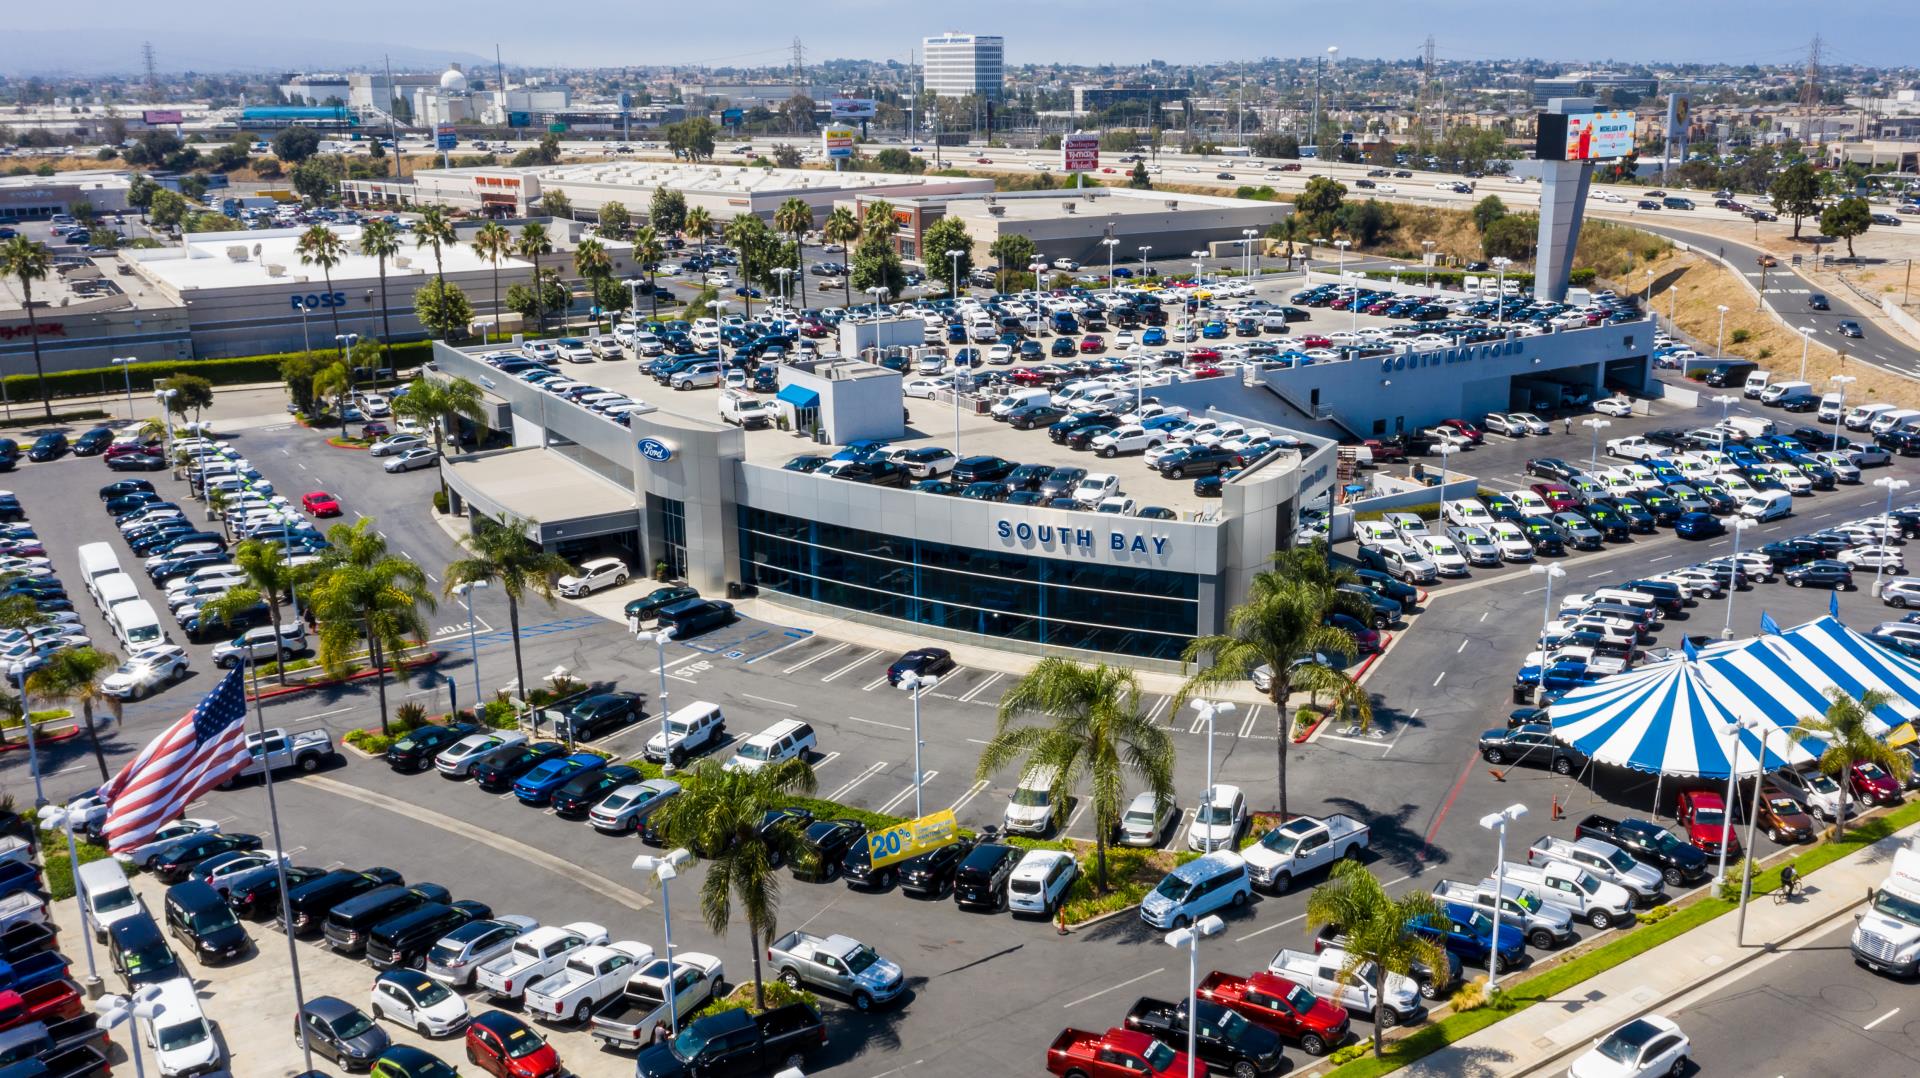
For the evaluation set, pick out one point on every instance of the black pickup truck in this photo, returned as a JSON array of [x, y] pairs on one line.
[[71, 1048], [1226, 1041], [1677, 862], [737, 1043]]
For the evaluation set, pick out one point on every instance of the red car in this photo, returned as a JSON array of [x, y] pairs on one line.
[[1472, 432], [320, 504], [1117, 1053], [1871, 782], [1315, 340], [121, 449], [983, 160], [504, 1046], [1027, 376], [1206, 371], [1202, 357], [1704, 815], [1091, 345], [1556, 495]]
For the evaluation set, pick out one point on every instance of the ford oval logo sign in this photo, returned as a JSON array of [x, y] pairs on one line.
[[655, 450]]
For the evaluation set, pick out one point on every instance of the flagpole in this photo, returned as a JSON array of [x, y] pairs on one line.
[[280, 861]]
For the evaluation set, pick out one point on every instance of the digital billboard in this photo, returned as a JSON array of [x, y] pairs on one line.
[[1592, 136], [852, 108], [837, 142], [162, 116], [1079, 152]]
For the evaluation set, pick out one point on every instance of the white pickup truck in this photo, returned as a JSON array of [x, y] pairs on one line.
[[1546, 926], [306, 750], [1301, 845], [1320, 974], [628, 1023], [540, 953], [1579, 892], [1633, 448], [1603, 859], [591, 977]]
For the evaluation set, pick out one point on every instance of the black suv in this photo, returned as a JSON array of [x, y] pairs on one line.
[[140, 953], [981, 469], [879, 473], [1678, 862], [648, 606], [602, 712], [980, 881], [310, 902], [349, 923], [406, 939], [577, 796], [1837, 575], [198, 917], [1197, 460], [823, 847], [415, 749]]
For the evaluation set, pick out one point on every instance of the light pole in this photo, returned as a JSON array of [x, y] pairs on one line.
[[917, 684], [1110, 243], [1806, 340], [1738, 524], [1497, 822], [1597, 425], [1427, 261], [346, 342], [1143, 260], [1037, 267], [954, 256], [1500, 291], [306, 338], [125, 363], [1552, 573], [61, 817], [1246, 251], [1725, 401], [1353, 304], [782, 273], [116, 1010], [465, 592], [1720, 349], [1732, 734], [1209, 711], [1764, 729], [666, 868], [1880, 564], [1190, 938], [1843, 381], [1646, 301]]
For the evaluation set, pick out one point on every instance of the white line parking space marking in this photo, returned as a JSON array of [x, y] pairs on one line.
[[864, 656], [877, 722], [968, 697], [874, 684], [1178, 817], [872, 769], [895, 802], [1117, 987], [1442, 677], [1077, 813], [1269, 928], [825, 760], [1881, 1019], [764, 700], [1247, 724], [810, 660], [972, 792]]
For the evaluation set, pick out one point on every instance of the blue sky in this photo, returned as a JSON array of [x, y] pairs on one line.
[[753, 32]]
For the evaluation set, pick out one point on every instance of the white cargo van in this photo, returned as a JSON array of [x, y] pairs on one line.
[[112, 590], [1888, 420], [1830, 405], [96, 560], [1861, 416], [1757, 382], [1782, 393], [137, 626], [1751, 425], [1767, 505]]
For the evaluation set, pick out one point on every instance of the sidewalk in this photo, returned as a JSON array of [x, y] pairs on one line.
[[1538, 1039]]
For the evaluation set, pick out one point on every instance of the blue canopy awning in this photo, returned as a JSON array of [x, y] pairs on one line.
[[799, 396]]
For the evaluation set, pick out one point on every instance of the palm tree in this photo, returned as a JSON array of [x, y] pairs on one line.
[[493, 242], [436, 404], [795, 217], [380, 240], [1378, 942], [1283, 622], [322, 246], [77, 675], [843, 228], [746, 233], [1844, 729], [534, 242], [503, 557], [335, 381], [880, 220], [592, 263], [26, 261], [269, 578], [1097, 732], [649, 250], [719, 813], [19, 613], [367, 597], [435, 229], [698, 224]]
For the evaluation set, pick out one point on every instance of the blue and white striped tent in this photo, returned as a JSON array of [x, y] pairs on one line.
[[1671, 718]]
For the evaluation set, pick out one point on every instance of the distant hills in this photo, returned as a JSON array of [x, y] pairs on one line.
[[107, 51]]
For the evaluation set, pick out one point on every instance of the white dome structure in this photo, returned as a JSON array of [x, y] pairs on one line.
[[453, 81]]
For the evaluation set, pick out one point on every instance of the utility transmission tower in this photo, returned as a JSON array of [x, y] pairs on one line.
[[1810, 87], [799, 63], [153, 73]]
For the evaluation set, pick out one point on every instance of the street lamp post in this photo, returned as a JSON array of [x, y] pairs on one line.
[[1190, 938], [130, 1010], [1497, 823], [1500, 288], [1597, 425], [782, 273], [61, 817], [465, 592], [954, 256], [1880, 564], [1764, 729], [666, 868], [306, 338], [917, 684], [1843, 381], [1209, 710], [1143, 259], [1725, 401], [1446, 451], [1646, 301], [1552, 573], [1246, 252], [1806, 340], [1738, 524], [1353, 304], [1427, 261], [1720, 349], [1732, 734], [1110, 243], [125, 363]]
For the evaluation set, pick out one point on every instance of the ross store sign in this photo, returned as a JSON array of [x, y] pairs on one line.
[[318, 301], [837, 142], [1061, 538], [656, 450], [1079, 152]]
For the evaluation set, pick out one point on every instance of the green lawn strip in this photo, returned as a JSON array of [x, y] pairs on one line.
[[1565, 975]]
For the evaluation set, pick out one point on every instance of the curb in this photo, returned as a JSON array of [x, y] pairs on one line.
[[429, 659], [46, 739], [1101, 919]]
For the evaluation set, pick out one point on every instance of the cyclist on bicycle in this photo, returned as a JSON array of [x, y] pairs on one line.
[[1789, 882]]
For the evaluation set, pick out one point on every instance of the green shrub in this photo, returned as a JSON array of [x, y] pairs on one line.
[[498, 715], [93, 381], [741, 999], [370, 741], [59, 418], [59, 871], [1350, 1053], [441, 502]]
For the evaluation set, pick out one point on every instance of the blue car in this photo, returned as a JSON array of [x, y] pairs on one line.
[[1561, 676], [1467, 933], [861, 449], [1153, 337], [1214, 331], [536, 787]]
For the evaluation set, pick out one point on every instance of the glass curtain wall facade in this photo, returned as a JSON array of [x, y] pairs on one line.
[[1150, 613]]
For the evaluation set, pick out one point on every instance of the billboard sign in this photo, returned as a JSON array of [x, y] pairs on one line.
[[837, 141], [163, 116], [852, 108], [444, 138], [1592, 136], [519, 119], [732, 117], [1079, 152], [913, 838]]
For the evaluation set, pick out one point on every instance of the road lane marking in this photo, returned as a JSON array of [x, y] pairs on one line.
[[1411, 715], [925, 777], [872, 769], [1463, 643], [810, 660], [1438, 680], [1880, 1019], [972, 792], [864, 656], [1269, 928], [1117, 987]]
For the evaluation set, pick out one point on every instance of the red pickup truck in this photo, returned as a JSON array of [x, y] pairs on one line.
[[1316, 1025], [1117, 1053], [48, 1002], [1704, 815]]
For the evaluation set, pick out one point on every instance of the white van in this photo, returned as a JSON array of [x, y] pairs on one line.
[[1767, 505], [694, 728], [112, 590], [1897, 417], [1198, 888], [96, 560], [1861, 416], [784, 740], [1751, 426], [1757, 382], [137, 626], [109, 897], [1782, 393], [1830, 404], [1020, 399]]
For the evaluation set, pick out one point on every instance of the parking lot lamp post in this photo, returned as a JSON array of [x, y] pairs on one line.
[[1209, 711], [1500, 291], [1880, 564], [1725, 401], [1353, 304], [280, 862], [666, 868], [1110, 243], [1135, 355], [1190, 938], [58, 816], [1732, 734], [1842, 381], [1427, 261], [1764, 729], [954, 257], [1720, 349], [917, 684], [660, 639], [1246, 251], [1446, 451], [1497, 823], [1646, 301], [1738, 524], [780, 288], [1806, 340], [346, 342], [465, 592], [126, 376], [114, 1010], [306, 338], [1552, 573], [1199, 277], [1143, 259], [1598, 425]]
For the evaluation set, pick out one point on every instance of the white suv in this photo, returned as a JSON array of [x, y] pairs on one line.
[[593, 576]]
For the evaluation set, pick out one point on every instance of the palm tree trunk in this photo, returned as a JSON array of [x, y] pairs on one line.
[[1282, 689], [847, 283], [93, 735], [1379, 1004], [33, 335], [1840, 818], [1100, 857], [800, 268], [759, 988], [326, 272], [513, 622], [386, 327], [439, 446], [279, 645], [379, 673], [496, 302]]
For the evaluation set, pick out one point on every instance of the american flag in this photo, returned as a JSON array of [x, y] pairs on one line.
[[202, 750]]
